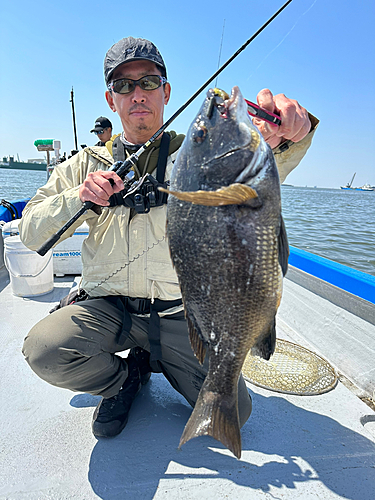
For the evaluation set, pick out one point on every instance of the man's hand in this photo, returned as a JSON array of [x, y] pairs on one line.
[[295, 122], [98, 188]]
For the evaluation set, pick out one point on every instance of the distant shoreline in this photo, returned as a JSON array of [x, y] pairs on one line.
[[320, 187]]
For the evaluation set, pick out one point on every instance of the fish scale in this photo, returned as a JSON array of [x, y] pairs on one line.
[[228, 246]]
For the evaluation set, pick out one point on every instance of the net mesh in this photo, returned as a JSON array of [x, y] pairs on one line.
[[291, 370]]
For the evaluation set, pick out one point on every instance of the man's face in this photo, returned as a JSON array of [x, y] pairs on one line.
[[140, 111], [106, 135]]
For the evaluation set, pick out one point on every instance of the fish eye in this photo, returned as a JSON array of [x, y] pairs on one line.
[[200, 133]]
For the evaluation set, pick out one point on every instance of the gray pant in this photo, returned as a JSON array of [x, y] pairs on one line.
[[75, 346]]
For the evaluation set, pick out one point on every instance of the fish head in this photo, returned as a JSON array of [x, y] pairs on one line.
[[221, 143]]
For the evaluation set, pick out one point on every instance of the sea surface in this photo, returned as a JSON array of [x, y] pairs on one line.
[[332, 223]]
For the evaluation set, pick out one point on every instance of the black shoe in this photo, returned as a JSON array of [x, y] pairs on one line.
[[142, 358], [111, 415]]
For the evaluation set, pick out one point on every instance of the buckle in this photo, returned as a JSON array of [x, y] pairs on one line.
[[138, 306]]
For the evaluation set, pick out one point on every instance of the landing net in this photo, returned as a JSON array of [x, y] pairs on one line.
[[292, 369]]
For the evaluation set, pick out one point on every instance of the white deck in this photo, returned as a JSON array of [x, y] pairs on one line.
[[293, 447]]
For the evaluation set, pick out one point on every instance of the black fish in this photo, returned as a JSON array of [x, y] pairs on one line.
[[229, 248]]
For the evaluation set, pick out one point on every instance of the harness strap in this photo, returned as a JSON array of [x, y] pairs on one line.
[[118, 150], [143, 306], [154, 336], [124, 332], [163, 156]]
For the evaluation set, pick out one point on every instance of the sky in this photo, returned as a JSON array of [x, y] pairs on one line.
[[319, 52]]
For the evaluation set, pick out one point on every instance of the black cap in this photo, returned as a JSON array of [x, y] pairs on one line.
[[131, 49], [101, 123]]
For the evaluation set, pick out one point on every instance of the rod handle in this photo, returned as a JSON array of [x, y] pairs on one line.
[[47, 245], [55, 237]]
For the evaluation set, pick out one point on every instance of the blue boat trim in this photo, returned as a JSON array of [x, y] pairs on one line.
[[344, 277], [5, 214]]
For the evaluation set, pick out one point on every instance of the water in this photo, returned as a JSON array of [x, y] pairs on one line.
[[20, 184], [336, 224], [332, 223]]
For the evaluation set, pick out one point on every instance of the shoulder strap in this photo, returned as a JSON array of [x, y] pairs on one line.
[[163, 156], [118, 150]]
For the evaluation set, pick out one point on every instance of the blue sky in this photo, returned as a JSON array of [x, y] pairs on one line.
[[317, 51]]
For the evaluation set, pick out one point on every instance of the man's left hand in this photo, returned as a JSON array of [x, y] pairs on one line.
[[295, 121]]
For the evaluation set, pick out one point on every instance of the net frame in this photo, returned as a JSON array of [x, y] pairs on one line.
[[292, 369]]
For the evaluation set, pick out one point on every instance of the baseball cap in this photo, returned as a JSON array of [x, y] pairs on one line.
[[101, 123], [131, 49]]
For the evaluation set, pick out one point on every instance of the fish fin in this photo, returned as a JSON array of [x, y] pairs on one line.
[[265, 346], [196, 340], [283, 247], [215, 415], [234, 194]]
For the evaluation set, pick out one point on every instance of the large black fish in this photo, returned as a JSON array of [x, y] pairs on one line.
[[229, 248]]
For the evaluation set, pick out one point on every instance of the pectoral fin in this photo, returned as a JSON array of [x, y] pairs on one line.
[[265, 346], [235, 194]]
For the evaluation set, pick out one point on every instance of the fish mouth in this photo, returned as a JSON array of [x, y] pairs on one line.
[[224, 102], [234, 98], [229, 105]]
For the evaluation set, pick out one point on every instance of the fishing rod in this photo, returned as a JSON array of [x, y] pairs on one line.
[[122, 168]]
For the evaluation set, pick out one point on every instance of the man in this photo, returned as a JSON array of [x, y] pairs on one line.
[[103, 129], [134, 298]]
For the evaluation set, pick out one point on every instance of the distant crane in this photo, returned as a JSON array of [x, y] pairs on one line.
[[349, 184]]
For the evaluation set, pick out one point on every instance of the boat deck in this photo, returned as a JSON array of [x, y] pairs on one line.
[[294, 447]]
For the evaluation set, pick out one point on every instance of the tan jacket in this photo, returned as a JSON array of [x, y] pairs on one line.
[[119, 256], [289, 154]]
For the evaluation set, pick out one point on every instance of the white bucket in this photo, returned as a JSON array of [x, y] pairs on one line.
[[30, 274], [66, 254]]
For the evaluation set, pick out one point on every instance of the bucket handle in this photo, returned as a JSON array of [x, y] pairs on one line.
[[7, 264]]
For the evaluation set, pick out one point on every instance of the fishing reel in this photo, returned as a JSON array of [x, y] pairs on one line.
[[140, 194]]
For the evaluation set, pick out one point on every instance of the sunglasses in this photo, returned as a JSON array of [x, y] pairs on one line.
[[99, 132], [126, 85]]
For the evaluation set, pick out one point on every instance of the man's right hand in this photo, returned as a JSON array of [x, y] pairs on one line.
[[295, 121], [98, 188]]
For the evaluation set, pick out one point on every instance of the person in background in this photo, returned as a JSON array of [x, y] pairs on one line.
[[103, 129], [134, 299]]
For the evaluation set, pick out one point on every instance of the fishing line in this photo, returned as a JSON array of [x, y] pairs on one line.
[[282, 40], [221, 45]]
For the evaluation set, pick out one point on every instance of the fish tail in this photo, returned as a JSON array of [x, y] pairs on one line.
[[215, 415]]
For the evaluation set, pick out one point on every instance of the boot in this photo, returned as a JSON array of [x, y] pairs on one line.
[[142, 358], [111, 415]]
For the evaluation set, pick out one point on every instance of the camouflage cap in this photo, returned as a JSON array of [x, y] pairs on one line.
[[131, 49]]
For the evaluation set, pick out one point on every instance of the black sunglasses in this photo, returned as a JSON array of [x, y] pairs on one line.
[[127, 85]]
